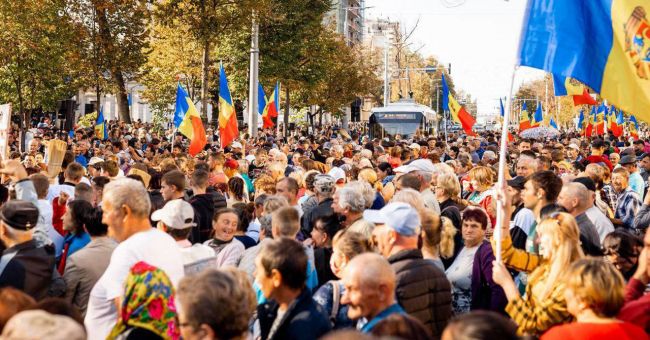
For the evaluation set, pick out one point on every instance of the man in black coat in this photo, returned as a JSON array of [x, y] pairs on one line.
[[290, 312]]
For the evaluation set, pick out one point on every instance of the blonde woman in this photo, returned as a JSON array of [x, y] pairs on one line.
[[370, 176], [482, 182], [544, 304], [594, 294]]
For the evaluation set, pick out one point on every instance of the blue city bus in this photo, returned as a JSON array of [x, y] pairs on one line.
[[404, 118]]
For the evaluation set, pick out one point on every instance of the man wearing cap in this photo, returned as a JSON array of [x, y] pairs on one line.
[[597, 152], [24, 265], [176, 218], [422, 288], [573, 153], [522, 217], [639, 148], [636, 181], [415, 150], [424, 169]]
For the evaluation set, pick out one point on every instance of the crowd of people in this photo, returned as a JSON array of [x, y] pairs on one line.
[[324, 234]]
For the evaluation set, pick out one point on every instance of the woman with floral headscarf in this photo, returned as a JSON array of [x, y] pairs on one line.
[[147, 310]]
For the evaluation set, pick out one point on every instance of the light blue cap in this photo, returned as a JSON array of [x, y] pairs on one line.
[[398, 216]]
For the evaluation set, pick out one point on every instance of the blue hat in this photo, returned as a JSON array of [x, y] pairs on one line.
[[398, 216]]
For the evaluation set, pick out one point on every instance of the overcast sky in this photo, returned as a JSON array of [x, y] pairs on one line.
[[479, 38]]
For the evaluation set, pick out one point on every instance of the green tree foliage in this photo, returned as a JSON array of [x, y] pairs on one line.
[[36, 54], [114, 43]]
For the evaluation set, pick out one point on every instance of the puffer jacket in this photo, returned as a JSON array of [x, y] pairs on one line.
[[422, 289]]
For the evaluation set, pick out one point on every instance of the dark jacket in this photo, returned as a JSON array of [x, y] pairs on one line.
[[323, 208], [303, 320], [486, 295], [203, 205], [30, 270], [422, 289]]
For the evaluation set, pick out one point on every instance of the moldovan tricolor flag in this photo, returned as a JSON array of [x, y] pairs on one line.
[[524, 122], [600, 119], [458, 113], [602, 43], [538, 117], [228, 130], [188, 121], [272, 108], [567, 87], [581, 121], [100, 126], [634, 127], [503, 113]]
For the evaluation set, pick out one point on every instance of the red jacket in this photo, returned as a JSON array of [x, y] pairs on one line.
[[58, 210], [637, 305]]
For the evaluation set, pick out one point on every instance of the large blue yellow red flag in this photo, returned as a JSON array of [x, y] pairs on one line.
[[261, 99], [228, 129], [458, 113], [538, 117], [190, 124], [604, 44], [100, 126]]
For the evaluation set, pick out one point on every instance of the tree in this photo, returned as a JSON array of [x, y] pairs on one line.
[[116, 39], [36, 55], [208, 22], [171, 59]]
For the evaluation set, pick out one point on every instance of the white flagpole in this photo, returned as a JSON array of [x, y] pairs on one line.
[[502, 167]]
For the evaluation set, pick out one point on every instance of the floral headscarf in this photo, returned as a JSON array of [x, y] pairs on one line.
[[148, 303]]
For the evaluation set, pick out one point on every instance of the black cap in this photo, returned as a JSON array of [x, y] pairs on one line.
[[586, 181], [598, 143], [517, 182], [19, 214], [628, 151], [627, 159], [644, 155]]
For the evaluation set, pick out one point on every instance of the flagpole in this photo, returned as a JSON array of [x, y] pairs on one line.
[[502, 168]]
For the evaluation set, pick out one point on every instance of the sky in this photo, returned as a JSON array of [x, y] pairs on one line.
[[478, 37]]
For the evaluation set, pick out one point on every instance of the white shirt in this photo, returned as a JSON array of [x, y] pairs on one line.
[[603, 225], [152, 246], [55, 190], [524, 220], [45, 226]]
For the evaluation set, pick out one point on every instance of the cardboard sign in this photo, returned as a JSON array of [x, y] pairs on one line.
[[5, 121], [55, 152]]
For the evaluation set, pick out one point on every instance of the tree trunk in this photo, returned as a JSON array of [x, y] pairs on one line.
[[286, 111], [122, 99], [320, 117], [116, 69], [204, 79], [21, 109]]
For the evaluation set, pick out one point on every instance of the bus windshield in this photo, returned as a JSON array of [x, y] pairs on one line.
[[405, 124]]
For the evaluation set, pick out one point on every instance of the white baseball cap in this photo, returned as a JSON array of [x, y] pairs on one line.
[[176, 214], [420, 164], [414, 146], [236, 145], [398, 216], [337, 173], [95, 160]]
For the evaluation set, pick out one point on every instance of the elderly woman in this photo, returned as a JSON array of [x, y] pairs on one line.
[[370, 176], [471, 272], [350, 203]]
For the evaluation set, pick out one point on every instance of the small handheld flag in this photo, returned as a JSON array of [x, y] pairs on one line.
[[100, 126]]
